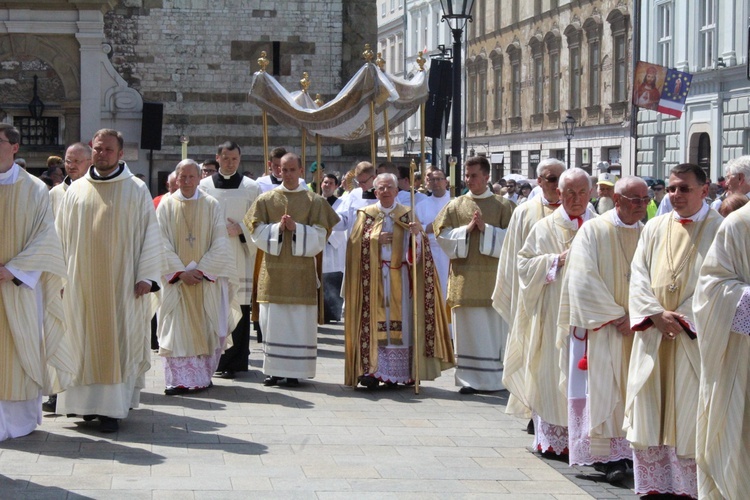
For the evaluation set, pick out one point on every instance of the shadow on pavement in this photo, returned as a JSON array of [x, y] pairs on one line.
[[21, 488]]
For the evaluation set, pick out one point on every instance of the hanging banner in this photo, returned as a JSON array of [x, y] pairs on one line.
[[661, 89]]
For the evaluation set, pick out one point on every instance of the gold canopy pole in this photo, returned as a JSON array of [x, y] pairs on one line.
[[422, 161], [263, 62], [368, 55], [386, 130], [415, 307], [305, 84], [319, 152]]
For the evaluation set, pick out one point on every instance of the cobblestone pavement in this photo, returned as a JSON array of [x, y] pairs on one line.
[[321, 440]]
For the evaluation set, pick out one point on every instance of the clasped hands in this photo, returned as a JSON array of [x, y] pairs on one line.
[[476, 222], [387, 238], [667, 323]]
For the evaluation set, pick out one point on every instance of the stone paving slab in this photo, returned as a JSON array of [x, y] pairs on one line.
[[322, 440]]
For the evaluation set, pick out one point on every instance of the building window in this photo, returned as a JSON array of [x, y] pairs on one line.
[[498, 16], [594, 71], [515, 83], [554, 76], [471, 83], [43, 131], [392, 62], [400, 54], [664, 34], [435, 28], [575, 77], [660, 157], [514, 12], [498, 90], [515, 162], [613, 156], [393, 5], [621, 68], [425, 31], [707, 22], [537, 7], [482, 92], [538, 81], [382, 9]]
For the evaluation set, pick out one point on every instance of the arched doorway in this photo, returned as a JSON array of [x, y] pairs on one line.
[[704, 153]]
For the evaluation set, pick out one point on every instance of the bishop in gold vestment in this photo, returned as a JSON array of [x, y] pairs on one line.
[[290, 224], [36, 355], [381, 339], [662, 393], [113, 250], [471, 230], [199, 299], [722, 317]]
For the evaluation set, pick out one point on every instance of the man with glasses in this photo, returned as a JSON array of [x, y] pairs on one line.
[[505, 295], [542, 267], [471, 230], [426, 212], [511, 193], [737, 176], [35, 350], [361, 196], [209, 168], [663, 381], [600, 338]]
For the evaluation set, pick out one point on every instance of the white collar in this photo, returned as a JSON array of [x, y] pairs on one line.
[[619, 223], [386, 210], [696, 217], [178, 194], [11, 175], [487, 193], [299, 187]]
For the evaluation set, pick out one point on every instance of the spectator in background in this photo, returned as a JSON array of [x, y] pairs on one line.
[[732, 203], [209, 168]]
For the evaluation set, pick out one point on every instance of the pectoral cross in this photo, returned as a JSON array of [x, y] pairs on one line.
[[672, 287], [190, 239]]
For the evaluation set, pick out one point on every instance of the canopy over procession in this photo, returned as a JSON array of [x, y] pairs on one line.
[[620, 335]]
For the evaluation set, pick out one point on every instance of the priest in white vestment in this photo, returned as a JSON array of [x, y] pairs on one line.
[[595, 339], [112, 246], [722, 318], [361, 196], [471, 230], [426, 212], [199, 307], [290, 224], [506, 292], [36, 355], [77, 160], [663, 379], [236, 193], [541, 270], [383, 342]]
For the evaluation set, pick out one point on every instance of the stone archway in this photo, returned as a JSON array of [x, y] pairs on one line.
[[699, 146]]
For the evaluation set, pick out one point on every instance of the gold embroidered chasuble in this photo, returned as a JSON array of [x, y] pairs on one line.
[[467, 282], [595, 293], [195, 232], [30, 362], [662, 392], [535, 326], [286, 278], [365, 327], [723, 427], [111, 241]]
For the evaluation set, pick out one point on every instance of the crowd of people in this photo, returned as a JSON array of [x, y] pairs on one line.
[[622, 334]]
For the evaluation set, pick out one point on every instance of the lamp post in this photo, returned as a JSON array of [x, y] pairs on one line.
[[409, 144], [569, 125], [456, 12]]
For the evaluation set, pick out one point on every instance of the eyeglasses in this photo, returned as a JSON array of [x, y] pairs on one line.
[[551, 179], [5, 140], [637, 201], [431, 179], [362, 181], [208, 171], [681, 189], [658, 188]]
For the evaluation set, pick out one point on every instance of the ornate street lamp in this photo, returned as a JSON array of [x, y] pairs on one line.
[[36, 106], [409, 145], [456, 12], [569, 125]]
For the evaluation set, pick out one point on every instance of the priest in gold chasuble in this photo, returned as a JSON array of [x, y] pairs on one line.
[[471, 230], [663, 379], [37, 356], [114, 254], [199, 307], [381, 339], [291, 225], [542, 266]]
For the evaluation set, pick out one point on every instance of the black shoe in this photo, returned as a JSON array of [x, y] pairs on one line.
[[467, 390], [108, 425], [616, 472], [174, 391], [271, 380], [292, 382], [530, 427], [89, 418], [369, 382], [51, 404], [226, 374]]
